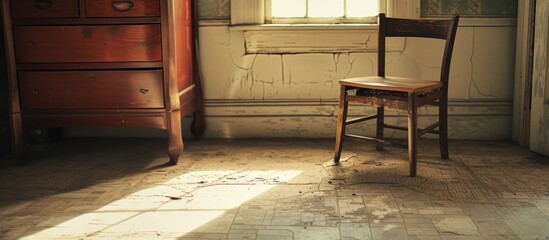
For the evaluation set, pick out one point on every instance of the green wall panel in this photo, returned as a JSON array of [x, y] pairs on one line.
[[214, 9], [474, 8]]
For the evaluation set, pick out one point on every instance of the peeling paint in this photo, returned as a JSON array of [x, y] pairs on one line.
[[389, 227], [283, 70]]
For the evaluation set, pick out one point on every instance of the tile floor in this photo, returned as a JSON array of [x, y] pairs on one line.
[[273, 189]]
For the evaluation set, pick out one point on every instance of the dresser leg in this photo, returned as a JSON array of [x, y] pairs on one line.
[[175, 142], [20, 146], [198, 126], [54, 134]]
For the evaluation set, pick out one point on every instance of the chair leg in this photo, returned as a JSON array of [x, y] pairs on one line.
[[379, 126], [412, 134], [341, 119], [443, 128]]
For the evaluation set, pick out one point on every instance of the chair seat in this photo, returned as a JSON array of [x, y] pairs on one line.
[[395, 84]]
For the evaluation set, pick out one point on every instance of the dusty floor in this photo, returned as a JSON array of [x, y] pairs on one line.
[[273, 189]]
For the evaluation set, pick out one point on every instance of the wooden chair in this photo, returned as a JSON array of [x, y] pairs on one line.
[[400, 93]]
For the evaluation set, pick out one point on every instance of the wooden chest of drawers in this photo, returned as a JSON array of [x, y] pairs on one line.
[[101, 63]]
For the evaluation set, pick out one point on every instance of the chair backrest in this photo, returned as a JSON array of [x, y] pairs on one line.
[[438, 29]]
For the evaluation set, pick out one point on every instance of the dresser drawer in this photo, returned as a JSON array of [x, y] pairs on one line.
[[122, 8], [91, 89], [109, 43], [44, 9]]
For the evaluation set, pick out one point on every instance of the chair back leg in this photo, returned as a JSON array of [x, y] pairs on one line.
[[443, 128]]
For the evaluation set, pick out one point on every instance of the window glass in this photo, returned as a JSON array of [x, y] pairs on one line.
[[325, 8], [289, 8], [362, 8], [313, 10]]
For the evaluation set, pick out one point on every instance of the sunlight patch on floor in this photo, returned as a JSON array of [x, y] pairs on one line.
[[173, 208]]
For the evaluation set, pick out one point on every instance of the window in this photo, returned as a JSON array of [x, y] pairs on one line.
[[322, 11], [246, 12], [315, 26]]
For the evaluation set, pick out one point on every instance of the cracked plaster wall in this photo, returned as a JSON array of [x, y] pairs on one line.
[[482, 67], [287, 95]]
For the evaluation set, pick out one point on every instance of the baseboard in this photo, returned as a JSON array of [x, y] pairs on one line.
[[477, 119], [472, 119]]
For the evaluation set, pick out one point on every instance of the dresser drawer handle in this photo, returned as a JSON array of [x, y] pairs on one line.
[[42, 4], [143, 90], [36, 91], [122, 6]]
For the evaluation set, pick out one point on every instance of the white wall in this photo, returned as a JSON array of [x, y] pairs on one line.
[[295, 95]]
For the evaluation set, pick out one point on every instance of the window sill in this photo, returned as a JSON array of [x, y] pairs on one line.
[[313, 38], [302, 27]]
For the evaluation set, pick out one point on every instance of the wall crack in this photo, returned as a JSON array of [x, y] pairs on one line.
[[472, 82]]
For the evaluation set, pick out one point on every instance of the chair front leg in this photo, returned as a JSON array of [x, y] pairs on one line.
[[412, 133], [341, 119], [380, 122]]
